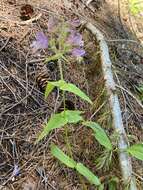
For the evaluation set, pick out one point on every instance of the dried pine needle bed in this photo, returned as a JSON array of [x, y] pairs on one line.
[[24, 110]]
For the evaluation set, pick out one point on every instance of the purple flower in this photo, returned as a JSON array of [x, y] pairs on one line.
[[16, 170], [52, 24], [77, 52], [41, 41], [75, 23], [75, 39]]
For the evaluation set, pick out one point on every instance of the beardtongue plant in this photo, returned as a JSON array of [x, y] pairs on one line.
[[64, 40]]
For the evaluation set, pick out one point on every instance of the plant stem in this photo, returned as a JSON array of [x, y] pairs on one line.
[[62, 78], [66, 127], [67, 142], [60, 68]]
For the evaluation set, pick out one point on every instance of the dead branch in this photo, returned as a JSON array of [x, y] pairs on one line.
[[125, 162]]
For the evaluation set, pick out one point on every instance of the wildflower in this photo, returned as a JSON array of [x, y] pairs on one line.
[[41, 42], [52, 24], [75, 23], [77, 52], [75, 39], [16, 170]]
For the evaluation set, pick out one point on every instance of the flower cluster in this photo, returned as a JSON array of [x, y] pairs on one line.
[[73, 39]]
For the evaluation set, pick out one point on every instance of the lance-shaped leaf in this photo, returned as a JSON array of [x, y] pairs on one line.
[[80, 168], [50, 86], [63, 85], [59, 120], [136, 150], [87, 174], [49, 89], [53, 57], [56, 121], [60, 155], [73, 116], [99, 134]]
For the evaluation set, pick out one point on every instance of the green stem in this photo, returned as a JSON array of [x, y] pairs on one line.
[[60, 68], [62, 78], [66, 127], [67, 142]]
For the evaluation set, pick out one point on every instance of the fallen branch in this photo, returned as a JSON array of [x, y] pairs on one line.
[[124, 159], [22, 22]]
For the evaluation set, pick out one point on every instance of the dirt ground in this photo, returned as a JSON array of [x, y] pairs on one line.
[[23, 108]]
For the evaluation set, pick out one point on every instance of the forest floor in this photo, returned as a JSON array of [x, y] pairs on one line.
[[23, 109]]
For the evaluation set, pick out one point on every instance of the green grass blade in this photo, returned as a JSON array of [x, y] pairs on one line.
[[60, 155], [87, 174], [99, 134]]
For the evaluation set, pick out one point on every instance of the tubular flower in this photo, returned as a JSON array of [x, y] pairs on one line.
[[75, 39], [41, 42], [77, 52], [75, 23]]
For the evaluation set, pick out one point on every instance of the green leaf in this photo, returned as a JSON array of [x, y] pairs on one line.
[[49, 88], [73, 116], [59, 120], [71, 88], [113, 183], [54, 57], [99, 134], [101, 187], [58, 83], [136, 150], [56, 121], [60, 155], [87, 174], [136, 6], [75, 90]]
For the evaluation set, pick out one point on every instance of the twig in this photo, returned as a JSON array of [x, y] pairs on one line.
[[125, 40], [22, 22], [100, 107], [9, 88], [14, 77], [139, 103], [5, 44], [140, 177], [35, 61], [125, 162], [88, 5]]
